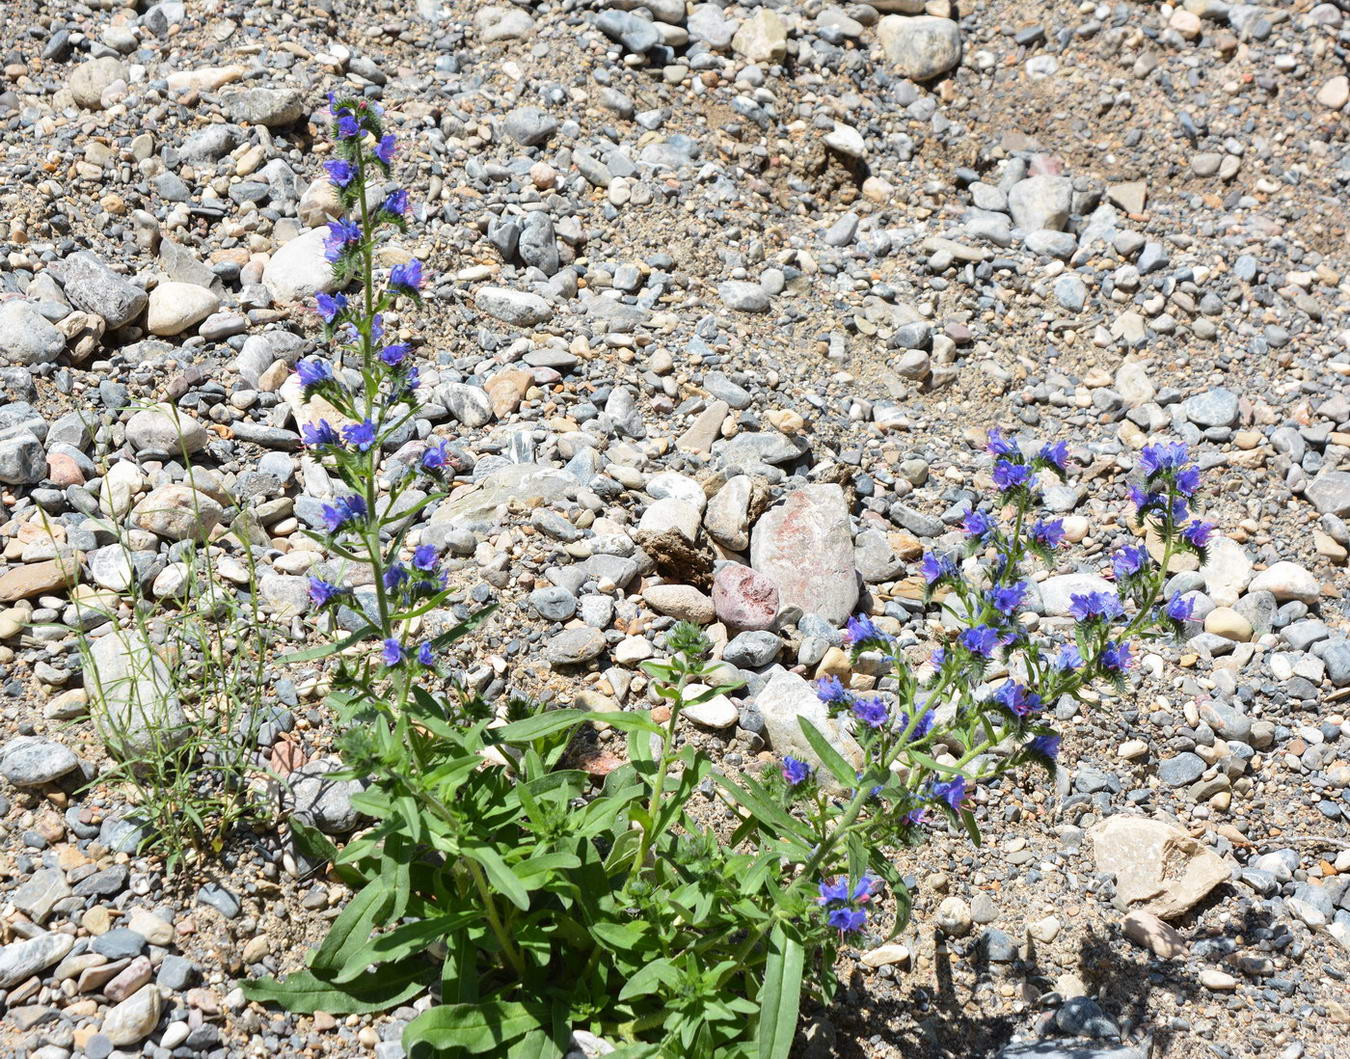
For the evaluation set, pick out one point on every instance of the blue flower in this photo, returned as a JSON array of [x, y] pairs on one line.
[[952, 791], [314, 372], [343, 511], [1179, 608], [1017, 699], [1045, 746], [1188, 480], [436, 456], [407, 278], [391, 654], [832, 891], [1128, 561], [322, 592], [361, 434], [339, 172], [426, 655], [320, 435], [1007, 598], [979, 525], [1095, 606], [394, 576], [795, 771], [342, 233], [1115, 657], [424, 558], [937, 567], [861, 629], [393, 355], [384, 150], [1198, 533], [1010, 475], [376, 327], [921, 728], [1068, 658], [1057, 455], [830, 690], [396, 202], [938, 658], [845, 918], [872, 712], [1158, 459], [1048, 532], [981, 640], [1144, 500], [347, 126], [1180, 513], [866, 889], [330, 306], [1000, 445]]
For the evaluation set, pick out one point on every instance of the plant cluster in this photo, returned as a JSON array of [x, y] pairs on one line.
[[525, 903]]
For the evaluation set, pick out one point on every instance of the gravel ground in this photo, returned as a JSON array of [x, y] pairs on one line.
[[692, 263]]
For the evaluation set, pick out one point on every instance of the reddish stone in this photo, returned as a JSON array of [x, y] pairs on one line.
[[63, 471], [744, 599]]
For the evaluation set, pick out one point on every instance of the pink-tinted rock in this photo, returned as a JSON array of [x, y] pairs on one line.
[[744, 599], [62, 470], [805, 546]]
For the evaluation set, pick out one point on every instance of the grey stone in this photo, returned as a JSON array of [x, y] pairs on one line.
[[1041, 202], [92, 286], [20, 960], [553, 603], [752, 650], [920, 48], [1216, 407], [273, 107], [26, 761], [322, 798], [805, 546], [529, 126], [782, 702], [133, 699], [743, 296], [574, 646], [26, 336], [518, 308], [1180, 770], [537, 243], [23, 461], [1329, 493]]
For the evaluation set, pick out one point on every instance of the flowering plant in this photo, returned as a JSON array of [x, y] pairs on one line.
[[525, 906]]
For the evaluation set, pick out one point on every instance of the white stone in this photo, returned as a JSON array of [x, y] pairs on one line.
[[174, 307]]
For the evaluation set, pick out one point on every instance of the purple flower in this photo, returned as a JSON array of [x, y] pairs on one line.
[[391, 654], [396, 202], [384, 150], [1045, 746], [1198, 533], [952, 791], [1067, 659], [1095, 606], [1180, 513], [1144, 500], [1115, 657], [1057, 455], [832, 891], [376, 327], [320, 435], [343, 511], [866, 889], [846, 919], [322, 592], [938, 658], [830, 690], [314, 372], [872, 712], [979, 525], [937, 567], [393, 355], [1001, 445], [922, 727], [1010, 475], [342, 233], [1128, 561], [394, 576], [1048, 532], [361, 435], [1017, 699], [981, 640], [330, 306], [424, 558], [339, 172], [861, 629], [426, 655], [1179, 608], [347, 126], [436, 456], [406, 278], [795, 771], [1007, 598], [1157, 459], [1188, 480]]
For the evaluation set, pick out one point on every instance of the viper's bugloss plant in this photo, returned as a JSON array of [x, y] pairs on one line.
[[514, 901]]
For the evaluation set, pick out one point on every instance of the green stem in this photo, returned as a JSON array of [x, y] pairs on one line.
[[494, 920], [659, 783]]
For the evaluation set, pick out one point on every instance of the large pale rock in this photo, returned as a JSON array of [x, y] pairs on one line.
[[26, 336], [1286, 581], [762, 38], [515, 307], [920, 48], [37, 579], [1227, 571], [785, 699], [1041, 202], [177, 513], [91, 79], [299, 269], [1057, 592], [805, 547], [525, 484], [162, 428], [175, 307], [273, 107], [94, 287], [20, 960], [132, 697], [135, 1018], [1157, 865]]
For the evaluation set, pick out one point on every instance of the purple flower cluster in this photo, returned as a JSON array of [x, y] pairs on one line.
[[844, 904], [1096, 606]]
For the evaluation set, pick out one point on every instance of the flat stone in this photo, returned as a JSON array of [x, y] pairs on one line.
[[177, 513], [1057, 592], [1157, 865], [785, 699], [299, 270], [37, 579], [1285, 581], [273, 107], [26, 761], [92, 286], [1217, 407], [744, 598], [133, 1019], [518, 308], [26, 336], [805, 547], [20, 960], [176, 307], [574, 646], [1149, 932], [1329, 493], [762, 38], [684, 602], [718, 712], [91, 79], [163, 429]]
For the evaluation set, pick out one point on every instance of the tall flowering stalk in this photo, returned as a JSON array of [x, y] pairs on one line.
[[978, 708], [361, 399]]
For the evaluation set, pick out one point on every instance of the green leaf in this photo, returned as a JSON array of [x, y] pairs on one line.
[[622, 936], [349, 934], [500, 875], [459, 973], [473, 1029], [413, 938], [541, 724], [780, 995], [379, 990], [537, 1044], [650, 978], [829, 756], [324, 650], [972, 829]]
